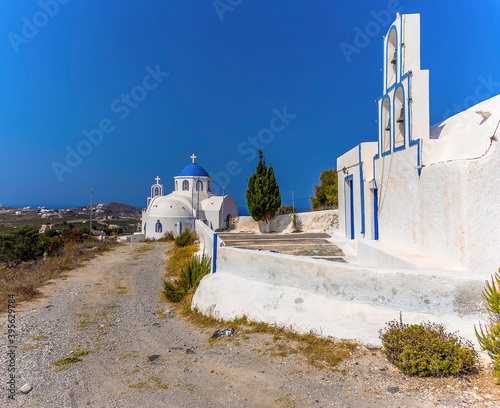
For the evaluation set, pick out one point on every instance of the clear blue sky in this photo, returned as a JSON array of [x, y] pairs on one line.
[[73, 67]]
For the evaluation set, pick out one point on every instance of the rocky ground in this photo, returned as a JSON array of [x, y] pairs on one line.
[[134, 352]]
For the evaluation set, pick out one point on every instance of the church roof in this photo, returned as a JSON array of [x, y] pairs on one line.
[[193, 170]]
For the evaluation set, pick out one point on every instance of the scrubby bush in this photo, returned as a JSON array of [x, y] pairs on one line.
[[169, 236], [189, 278], [426, 349], [24, 244], [185, 238], [489, 334], [285, 209]]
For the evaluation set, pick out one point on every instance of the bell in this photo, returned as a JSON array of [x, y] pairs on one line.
[[388, 128], [393, 61], [401, 118]]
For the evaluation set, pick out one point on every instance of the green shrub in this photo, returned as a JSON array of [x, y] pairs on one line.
[[427, 350], [186, 238], [24, 244], [173, 292], [489, 335], [195, 270], [189, 278]]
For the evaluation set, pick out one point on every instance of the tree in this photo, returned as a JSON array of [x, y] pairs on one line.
[[263, 193], [326, 195]]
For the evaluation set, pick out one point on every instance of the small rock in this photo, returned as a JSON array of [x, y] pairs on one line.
[[153, 357], [190, 351], [228, 332], [26, 388], [393, 390]]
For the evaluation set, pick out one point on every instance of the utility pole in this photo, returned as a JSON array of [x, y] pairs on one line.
[[223, 219], [90, 211]]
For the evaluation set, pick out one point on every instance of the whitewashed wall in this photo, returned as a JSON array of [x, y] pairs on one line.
[[340, 300]]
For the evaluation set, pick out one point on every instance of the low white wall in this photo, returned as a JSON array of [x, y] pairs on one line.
[[314, 221], [334, 299], [206, 237], [136, 237]]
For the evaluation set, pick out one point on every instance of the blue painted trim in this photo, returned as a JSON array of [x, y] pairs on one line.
[[395, 149], [214, 255], [362, 193], [391, 88], [375, 213], [374, 178]]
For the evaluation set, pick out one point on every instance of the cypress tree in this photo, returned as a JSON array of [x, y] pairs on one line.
[[263, 193]]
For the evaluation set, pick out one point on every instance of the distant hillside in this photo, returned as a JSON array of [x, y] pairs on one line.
[[118, 210]]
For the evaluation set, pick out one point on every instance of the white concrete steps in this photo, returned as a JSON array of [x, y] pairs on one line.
[[383, 254]]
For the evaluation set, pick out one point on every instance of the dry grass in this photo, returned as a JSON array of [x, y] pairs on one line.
[[178, 258], [320, 352], [25, 279]]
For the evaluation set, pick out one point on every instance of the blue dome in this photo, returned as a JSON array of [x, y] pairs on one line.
[[193, 170]]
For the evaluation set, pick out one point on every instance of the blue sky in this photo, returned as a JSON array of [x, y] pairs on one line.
[[152, 82]]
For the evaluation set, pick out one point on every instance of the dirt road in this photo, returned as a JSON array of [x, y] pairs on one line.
[[108, 314]]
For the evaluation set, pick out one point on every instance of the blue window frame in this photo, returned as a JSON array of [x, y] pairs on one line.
[[158, 227]]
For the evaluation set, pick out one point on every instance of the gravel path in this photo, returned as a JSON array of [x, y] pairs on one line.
[[136, 357]]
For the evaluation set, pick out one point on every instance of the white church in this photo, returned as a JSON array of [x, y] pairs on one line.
[[422, 197], [192, 199]]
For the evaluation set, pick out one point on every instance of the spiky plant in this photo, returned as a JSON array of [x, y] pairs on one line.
[[488, 335]]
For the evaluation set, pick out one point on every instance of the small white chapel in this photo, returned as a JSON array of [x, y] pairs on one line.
[[192, 199]]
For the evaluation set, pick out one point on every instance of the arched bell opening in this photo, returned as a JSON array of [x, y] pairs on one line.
[[391, 58], [386, 126], [399, 115]]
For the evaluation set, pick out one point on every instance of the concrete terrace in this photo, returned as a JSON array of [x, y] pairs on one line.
[[314, 245]]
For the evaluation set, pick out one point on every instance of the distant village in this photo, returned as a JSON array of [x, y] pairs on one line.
[[126, 217]]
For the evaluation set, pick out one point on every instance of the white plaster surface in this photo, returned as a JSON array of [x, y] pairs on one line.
[[463, 136], [314, 221], [341, 300]]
